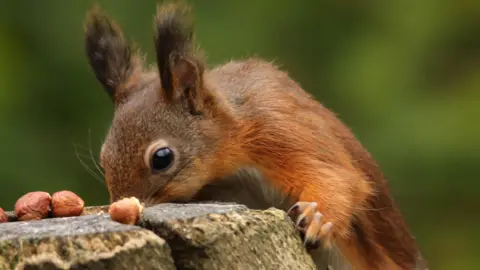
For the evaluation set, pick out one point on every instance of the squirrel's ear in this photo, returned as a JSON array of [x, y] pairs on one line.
[[109, 54], [179, 64]]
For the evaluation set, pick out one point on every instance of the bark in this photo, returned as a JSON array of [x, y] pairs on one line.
[[222, 236], [168, 236], [85, 242]]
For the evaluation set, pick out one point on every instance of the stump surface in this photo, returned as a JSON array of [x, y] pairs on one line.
[[168, 236]]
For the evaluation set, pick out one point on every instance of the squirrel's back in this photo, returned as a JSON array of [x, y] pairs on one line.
[[246, 83], [257, 88]]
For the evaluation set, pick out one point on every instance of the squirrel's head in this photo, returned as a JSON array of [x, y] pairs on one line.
[[167, 120]]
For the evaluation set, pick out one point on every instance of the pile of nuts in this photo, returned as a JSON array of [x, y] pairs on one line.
[[38, 205]]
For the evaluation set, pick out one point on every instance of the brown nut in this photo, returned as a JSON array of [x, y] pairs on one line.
[[33, 206], [126, 211], [3, 216], [66, 204]]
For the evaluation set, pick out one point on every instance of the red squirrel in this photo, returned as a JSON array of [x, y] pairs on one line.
[[241, 132]]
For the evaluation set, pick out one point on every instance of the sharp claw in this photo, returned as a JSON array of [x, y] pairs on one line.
[[293, 208], [308, 222], [300, 221], [311, 244], [306, 241]]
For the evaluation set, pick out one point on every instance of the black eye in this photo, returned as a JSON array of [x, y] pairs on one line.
[[162, 159]]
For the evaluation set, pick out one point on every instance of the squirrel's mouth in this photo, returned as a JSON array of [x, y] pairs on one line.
[[159, 198]]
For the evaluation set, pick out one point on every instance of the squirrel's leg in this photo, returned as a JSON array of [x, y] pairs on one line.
[[329, 199]]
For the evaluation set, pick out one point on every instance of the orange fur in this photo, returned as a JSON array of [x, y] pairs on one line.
[[240, 115]]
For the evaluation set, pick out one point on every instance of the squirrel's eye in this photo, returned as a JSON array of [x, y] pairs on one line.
[[162, 159]]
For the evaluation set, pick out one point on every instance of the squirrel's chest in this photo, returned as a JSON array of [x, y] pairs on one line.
[[248, 187]]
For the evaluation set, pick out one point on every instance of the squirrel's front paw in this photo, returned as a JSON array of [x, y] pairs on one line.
[[309, 222]]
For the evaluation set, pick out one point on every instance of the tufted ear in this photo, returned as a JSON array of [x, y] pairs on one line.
[[179, 64], [109, 54]]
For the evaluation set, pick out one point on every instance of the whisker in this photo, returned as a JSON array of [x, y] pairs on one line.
[[88, 169], [84, 156], [91, 154], [89, 157]]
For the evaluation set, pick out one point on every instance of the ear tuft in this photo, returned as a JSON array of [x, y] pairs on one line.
[[179, 64], [109, 54]]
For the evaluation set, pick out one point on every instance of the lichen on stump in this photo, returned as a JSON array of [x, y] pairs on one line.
[[174, 236], [85, 242], [223, 236]]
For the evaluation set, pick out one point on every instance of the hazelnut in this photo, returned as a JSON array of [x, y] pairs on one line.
[[3, 216], [66, 204], [126, 211], [33, 206]]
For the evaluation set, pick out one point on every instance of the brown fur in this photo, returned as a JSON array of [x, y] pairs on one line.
[[221, 121]]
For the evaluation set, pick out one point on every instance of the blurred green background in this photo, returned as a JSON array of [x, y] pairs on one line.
[[404, 75]]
